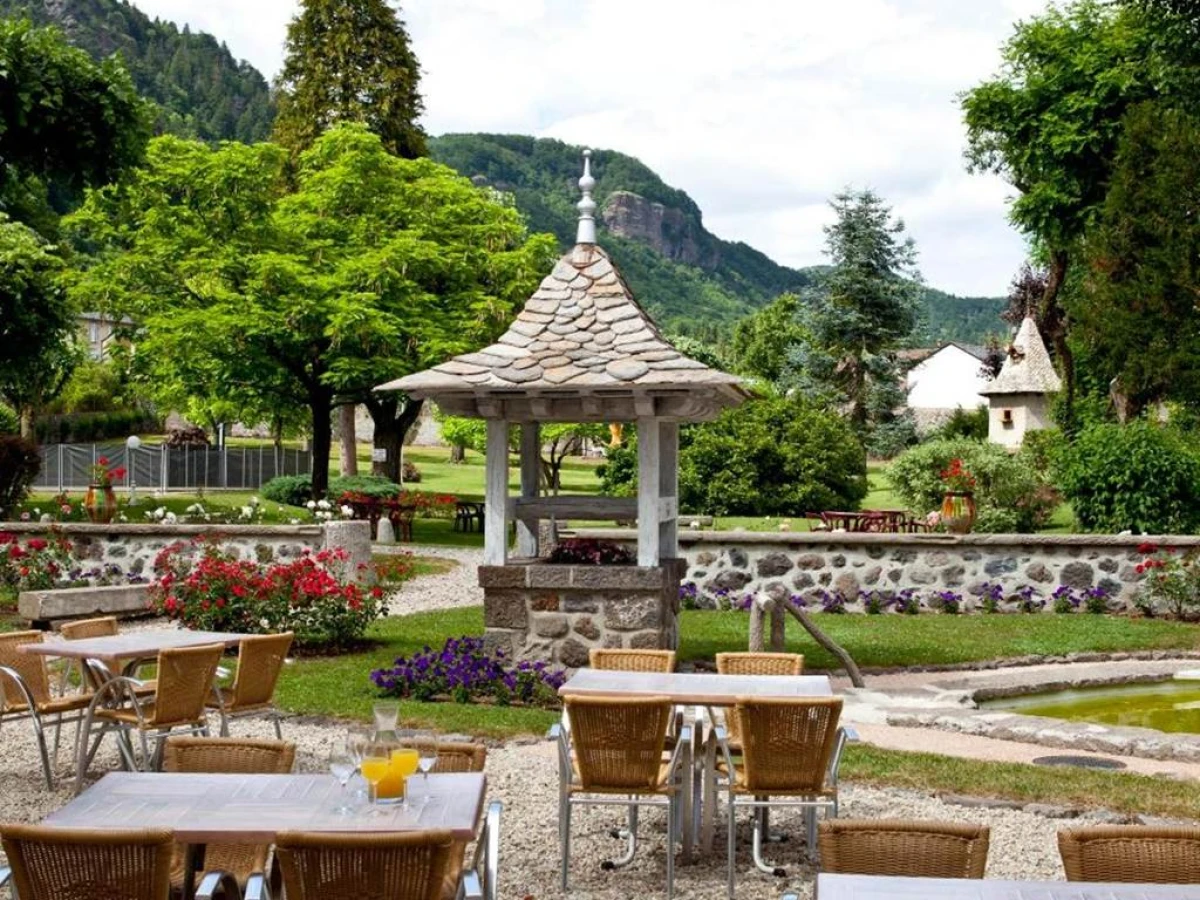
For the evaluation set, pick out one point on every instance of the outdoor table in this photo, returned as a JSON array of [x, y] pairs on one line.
[[699, 801], [135, 645], [253, 809], [877, 887]]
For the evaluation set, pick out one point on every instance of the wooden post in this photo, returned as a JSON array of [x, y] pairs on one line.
[[648, 491], [495, 514], [531, 448], [668, 486]]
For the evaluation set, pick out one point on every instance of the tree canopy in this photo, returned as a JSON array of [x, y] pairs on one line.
[[372, 267], [349, 61]]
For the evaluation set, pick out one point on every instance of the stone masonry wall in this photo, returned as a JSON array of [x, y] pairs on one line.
[[558, 613], [132, 548], [739, 563]]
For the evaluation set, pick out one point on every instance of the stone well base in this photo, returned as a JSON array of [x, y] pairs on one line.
[[557, 613]]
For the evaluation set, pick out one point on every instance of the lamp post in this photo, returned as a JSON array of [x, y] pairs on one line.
[[131, 444]]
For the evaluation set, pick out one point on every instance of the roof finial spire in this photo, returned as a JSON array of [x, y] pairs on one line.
[[587, 206]]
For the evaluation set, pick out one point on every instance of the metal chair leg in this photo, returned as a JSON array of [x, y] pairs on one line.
[[40, 735], [732, 843], [670, 849], [759, 830], [630, 832], [565, 824]]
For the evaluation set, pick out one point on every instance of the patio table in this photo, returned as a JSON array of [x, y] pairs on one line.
[[876, 887], [131, 645], [253, 809], [699, 800]]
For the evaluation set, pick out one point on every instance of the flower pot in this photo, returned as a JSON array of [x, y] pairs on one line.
[[100, 503], [958, 511]]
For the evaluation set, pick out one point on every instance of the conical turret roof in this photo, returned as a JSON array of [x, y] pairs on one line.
[[1028, 369]]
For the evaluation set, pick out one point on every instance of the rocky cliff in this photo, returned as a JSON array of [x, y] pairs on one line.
[[668, 230]]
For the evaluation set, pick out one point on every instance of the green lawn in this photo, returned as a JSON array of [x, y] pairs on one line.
[[340, 686]]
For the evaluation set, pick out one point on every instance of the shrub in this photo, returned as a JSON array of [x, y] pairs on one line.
[[10, 423], [209, 589], [964, 423], [1009, 495], [296, 490], [1140, 477], [464, 671], [19, 466], [1171, 582], [618, 472], [591, 552], [37, 563]]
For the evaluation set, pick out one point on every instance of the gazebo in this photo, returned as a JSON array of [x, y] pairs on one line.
[[1018, 398], [581, 350]]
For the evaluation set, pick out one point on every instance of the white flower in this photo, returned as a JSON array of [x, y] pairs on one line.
[[347, 512], [161, 513], [254, 501], [46, 517], [311, 504], [247, 512], [324, 504], [37, 511], [294, 521], [170, 518]]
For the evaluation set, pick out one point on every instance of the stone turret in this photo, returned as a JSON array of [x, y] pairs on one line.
[[1019, 397]]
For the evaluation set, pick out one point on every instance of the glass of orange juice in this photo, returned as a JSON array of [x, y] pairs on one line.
[[375, 768]]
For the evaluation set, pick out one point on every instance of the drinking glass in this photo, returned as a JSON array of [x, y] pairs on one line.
[[427, 754], [342, 767], [374, 766]]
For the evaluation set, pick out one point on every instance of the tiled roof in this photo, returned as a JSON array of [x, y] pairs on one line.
[[1028, 369]]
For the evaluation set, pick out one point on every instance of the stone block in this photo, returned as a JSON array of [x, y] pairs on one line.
[[501, 639], [952, 576], [1002, 565], [502, 577], [354, 538], [1079, 575], [729, 580], [647, 640], [74, 603], [548, 576], [544, 603], [1108, 565], [586, 627], [706, 558], [738, 558], [1039, 572], [632, 613], [847, 583], [838, 561], [553, 625], [803, 581], [773, 565], [922, 575], [505, 609], [573, 603], [937, 559], [572, 653], [619, 578], [871, 576], [811, 561]]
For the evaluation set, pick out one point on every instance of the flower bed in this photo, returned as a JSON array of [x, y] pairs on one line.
[[463, 671], [209, 589]]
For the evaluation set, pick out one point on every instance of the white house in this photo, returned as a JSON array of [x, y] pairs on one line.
[[942, 380]]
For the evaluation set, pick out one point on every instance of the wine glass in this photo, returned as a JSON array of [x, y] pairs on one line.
[[342, 767], [374, 767], [427, 753]]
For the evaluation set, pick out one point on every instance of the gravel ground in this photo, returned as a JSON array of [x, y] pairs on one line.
[[524, 778], [458, 587]]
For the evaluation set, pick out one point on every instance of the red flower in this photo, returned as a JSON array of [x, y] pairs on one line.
[[102, 461], [36, 544], [220, 603], [1147, 547]]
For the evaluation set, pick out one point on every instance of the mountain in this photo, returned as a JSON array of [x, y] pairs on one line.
[[202, 91], [689, 280]]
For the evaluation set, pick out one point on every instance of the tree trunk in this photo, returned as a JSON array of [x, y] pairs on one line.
[[27, 431], [392, 421], [320, 405], [458, 453], [349, 445], [828, 643], [1054, 322]]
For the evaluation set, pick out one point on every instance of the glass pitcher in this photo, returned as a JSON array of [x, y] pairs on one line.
[[387, 714]]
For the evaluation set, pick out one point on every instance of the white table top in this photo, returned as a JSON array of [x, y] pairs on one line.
[[703, 688], [252, 809], [874, 887], [133, 644]]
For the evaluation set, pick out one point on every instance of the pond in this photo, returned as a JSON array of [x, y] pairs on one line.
[[1164, 706]]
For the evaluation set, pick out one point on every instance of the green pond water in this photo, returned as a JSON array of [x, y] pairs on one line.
[[1165, 706]]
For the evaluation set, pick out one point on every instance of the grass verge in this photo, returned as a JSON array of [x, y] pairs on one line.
[[1057, 785]]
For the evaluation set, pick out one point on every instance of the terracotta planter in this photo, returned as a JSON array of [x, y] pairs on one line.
[[958, 511], [100, 503]]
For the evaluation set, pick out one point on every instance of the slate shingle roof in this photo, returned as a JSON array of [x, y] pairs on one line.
[[1028, 369]]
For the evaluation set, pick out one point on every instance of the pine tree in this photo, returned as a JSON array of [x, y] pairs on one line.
[[349, 61]]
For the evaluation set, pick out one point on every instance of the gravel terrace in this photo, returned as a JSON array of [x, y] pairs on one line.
[[523, 775]]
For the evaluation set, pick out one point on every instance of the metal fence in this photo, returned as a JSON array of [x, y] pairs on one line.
[[163, 468]]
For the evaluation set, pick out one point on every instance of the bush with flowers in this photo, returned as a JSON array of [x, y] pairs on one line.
[[35, 563], [208, 588], [464, 671], [103, 474], [1170, 581]]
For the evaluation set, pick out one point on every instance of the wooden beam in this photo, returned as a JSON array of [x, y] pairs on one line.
[[648, 438], [531, 448], [576, 507], [495, 516], [666, 405], [668, 485]]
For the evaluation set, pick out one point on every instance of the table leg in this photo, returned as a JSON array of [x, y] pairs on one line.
[[193, 862], [709, 800], [686, 826]]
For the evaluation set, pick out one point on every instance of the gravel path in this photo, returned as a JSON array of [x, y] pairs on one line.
[[523, 776], [458, 587]]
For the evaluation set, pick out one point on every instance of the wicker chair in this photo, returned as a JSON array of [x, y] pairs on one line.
[[903, 847], [102, 626], [260, 659], [454, 757], [790, 749], [363, 866], [83, 864], [754, 664], [228, 756], [25, 694], [1136, 853], [612, 755], [185, 681], [632, 660]]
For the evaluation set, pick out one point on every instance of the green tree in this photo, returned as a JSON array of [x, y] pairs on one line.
[[864, 309], [1137, 316], [349, 61], [761, 342], [371, 268], [1049, 123]]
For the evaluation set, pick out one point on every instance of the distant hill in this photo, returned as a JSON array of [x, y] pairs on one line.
[[202, 90], [690, 281]]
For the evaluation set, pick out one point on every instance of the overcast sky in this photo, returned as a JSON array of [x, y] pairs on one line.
[[759, 109]]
